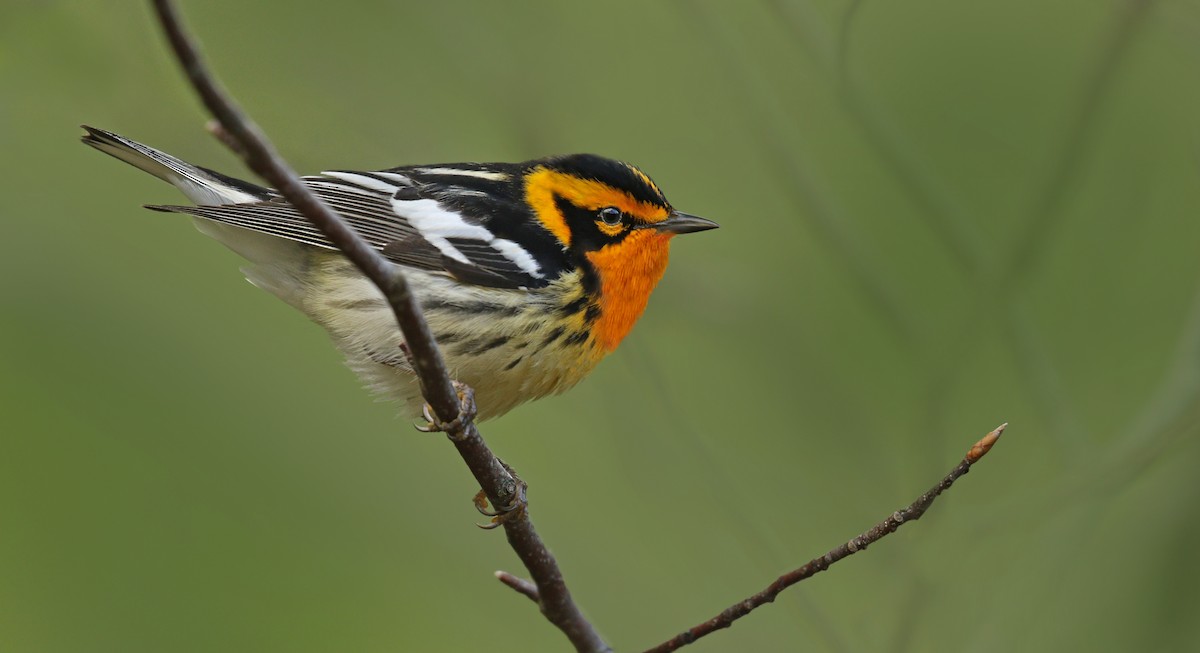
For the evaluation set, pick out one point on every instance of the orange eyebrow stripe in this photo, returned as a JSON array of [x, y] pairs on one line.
[[543, 185]]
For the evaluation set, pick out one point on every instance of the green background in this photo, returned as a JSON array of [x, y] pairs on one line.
[[936, 216]]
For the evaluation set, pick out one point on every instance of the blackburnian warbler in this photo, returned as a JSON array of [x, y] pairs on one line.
[[528, 273]]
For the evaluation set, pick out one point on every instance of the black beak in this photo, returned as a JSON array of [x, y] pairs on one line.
[[683, 223]]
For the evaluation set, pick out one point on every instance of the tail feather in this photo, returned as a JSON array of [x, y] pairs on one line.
[[201, 185], [279, 266]]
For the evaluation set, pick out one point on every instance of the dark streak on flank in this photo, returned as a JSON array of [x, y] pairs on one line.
[[504, 311], [516, 361], [479, 347], [472, 308], [554, 335], [593, 312], [358, 304], [574, 306], [577, 338]]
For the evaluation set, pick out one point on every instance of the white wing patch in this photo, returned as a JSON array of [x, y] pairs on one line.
[[396, 177], [364, 181], [480, 174], [437, 225], [518, 255]]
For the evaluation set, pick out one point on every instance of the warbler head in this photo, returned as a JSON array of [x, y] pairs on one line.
[[615, 224]]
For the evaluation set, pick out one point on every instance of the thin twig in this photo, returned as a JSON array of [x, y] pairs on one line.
[[218, 132], [446, 400], [877, 532], [521, 585]]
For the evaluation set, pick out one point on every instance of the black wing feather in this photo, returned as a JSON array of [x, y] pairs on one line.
[[370, 213]]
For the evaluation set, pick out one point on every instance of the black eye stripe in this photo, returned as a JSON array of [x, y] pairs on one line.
[[589, 231]]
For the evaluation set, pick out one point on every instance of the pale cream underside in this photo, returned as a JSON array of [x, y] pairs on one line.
[[367, 333]]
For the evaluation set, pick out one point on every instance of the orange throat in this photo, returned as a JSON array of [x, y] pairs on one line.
[[628, 271]]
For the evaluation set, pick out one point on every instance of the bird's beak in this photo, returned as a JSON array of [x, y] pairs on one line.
[[683, 223]]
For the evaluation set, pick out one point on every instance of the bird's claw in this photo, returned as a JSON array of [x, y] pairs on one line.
[[466, 414], [512, 510], [501, 514], [431, 424]]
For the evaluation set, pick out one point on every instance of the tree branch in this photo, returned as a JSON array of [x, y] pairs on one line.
[[877, 532], [519, 585], [451, 405]]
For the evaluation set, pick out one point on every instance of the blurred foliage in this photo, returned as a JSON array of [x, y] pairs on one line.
[[937, 216]]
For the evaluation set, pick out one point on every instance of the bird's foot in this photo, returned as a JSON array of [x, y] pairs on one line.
[[455, 428], [512, 510]]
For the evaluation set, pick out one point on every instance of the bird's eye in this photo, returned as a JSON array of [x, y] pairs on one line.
[[610, 216]]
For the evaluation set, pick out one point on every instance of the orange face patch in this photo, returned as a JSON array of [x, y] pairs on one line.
[[628, 271], [543, 185]]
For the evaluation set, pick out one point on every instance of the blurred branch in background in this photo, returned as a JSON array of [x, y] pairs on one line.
[[910, 513], [1170, 414], [949, 218], [1168, 417], [1046, 212], [1171, 417], [452, 403], [797, 179], [953, 222]]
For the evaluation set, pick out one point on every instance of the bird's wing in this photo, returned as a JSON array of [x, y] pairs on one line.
[[407, 222]]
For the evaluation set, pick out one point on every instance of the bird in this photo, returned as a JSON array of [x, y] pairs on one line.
[[528, 274]]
